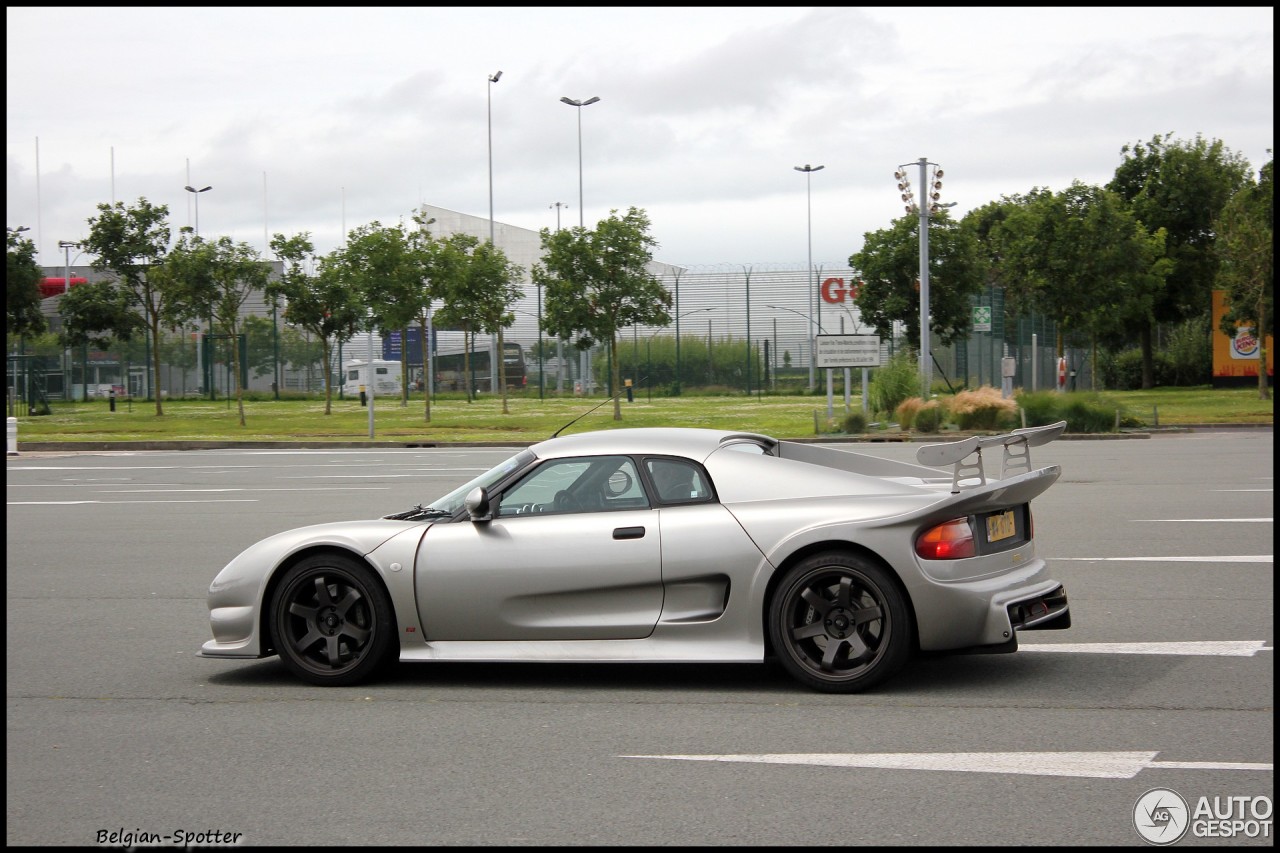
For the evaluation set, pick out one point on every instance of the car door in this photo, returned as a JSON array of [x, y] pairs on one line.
[[572, 553]]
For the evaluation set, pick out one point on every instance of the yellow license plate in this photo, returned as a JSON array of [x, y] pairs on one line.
[[1000, 526]]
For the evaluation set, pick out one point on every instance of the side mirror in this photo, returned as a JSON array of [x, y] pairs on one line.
[[477, 503]]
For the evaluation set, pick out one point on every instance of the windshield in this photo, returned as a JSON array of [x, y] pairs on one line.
[[453, 501]]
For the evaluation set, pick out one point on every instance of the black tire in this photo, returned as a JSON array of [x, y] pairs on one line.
[[331, 621], [839, 623]]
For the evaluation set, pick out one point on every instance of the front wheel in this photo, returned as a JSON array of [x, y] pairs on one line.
[[839, 623], [331, 621]]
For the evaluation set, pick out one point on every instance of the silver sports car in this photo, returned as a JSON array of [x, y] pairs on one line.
[[675, 544]]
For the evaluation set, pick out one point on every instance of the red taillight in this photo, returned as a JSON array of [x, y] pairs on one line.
[[951, 540]]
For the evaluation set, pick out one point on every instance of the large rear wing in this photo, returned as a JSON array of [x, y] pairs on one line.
[[1016, 458]]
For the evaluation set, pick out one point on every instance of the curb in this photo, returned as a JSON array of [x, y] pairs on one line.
[[99, 446]]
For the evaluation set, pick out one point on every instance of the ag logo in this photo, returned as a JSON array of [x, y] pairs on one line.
[[1161, 816]]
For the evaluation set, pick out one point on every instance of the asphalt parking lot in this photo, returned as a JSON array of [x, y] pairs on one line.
[[1164, 681]]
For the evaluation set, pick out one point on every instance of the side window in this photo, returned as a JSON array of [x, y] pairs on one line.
[[677, 481], [595, 484]]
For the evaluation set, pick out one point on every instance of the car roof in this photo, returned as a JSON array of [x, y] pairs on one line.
[[691, 442]]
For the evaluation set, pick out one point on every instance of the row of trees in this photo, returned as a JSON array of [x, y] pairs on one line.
[[383, 278], [1107, 264]]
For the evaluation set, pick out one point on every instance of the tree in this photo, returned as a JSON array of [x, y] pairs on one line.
[[22, 278], [889, 264], [383, 265], [1181, 187], [215, 278], [491, 284], [1083, 259], [321, 303], [597, 282], [450, 274], [132, 244], [259, 345], [1245, 247]]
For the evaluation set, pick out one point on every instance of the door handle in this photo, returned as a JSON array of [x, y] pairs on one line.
[[628, 533]]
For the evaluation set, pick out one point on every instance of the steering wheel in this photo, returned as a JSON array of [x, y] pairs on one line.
[[565, 502]]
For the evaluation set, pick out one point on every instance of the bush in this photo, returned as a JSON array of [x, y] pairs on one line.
[[1039, 408], [855, 423], [1084, 411], [906, 411], [894, 382], [930, 417], [1123, 371], [1088, 413], [983, 409]]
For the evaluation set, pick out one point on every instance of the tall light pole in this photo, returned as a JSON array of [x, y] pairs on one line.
[[206, 373], [557, 205], [579, 104], [808, 176], [493, 78], [559, 343], [66, 246], [197, 192], [585, 358], [493, 338], [930, 192]]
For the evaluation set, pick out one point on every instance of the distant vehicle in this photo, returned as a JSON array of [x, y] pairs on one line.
[[451, 367], [666, 544], [356, 378]]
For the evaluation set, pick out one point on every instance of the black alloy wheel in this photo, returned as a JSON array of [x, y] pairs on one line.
[[331, 621], [839, 623]]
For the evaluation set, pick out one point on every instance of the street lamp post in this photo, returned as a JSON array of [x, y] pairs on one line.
[[559, 343], [67, 246], [579, 104], [493, 78], [196, 193], [808, 175], [585, 360], [493, 338], [206, 372], [930, 192]]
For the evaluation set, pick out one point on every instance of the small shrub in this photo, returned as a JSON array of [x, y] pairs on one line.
[[1039, 407], [855, 423], [894, 382], [1088, 413], [930, 417], [1083, 411], [905, 412], [982, 409]]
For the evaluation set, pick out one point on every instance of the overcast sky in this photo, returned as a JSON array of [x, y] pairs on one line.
[[314, 119]]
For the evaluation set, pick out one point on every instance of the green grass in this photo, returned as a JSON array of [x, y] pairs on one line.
[[532, 419]]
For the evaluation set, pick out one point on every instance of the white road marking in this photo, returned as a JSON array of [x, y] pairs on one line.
[[71, 503], [1249, 558], [1212, 648], [1095, 765], [1213, 520], [238, 489]]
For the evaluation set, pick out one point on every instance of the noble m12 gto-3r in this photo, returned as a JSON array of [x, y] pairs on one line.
[[666, 544]]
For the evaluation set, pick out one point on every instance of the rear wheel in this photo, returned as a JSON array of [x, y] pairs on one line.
[[839, 623], [331, 620]]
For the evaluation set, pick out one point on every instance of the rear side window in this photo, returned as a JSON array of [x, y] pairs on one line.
[[677, 481]]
